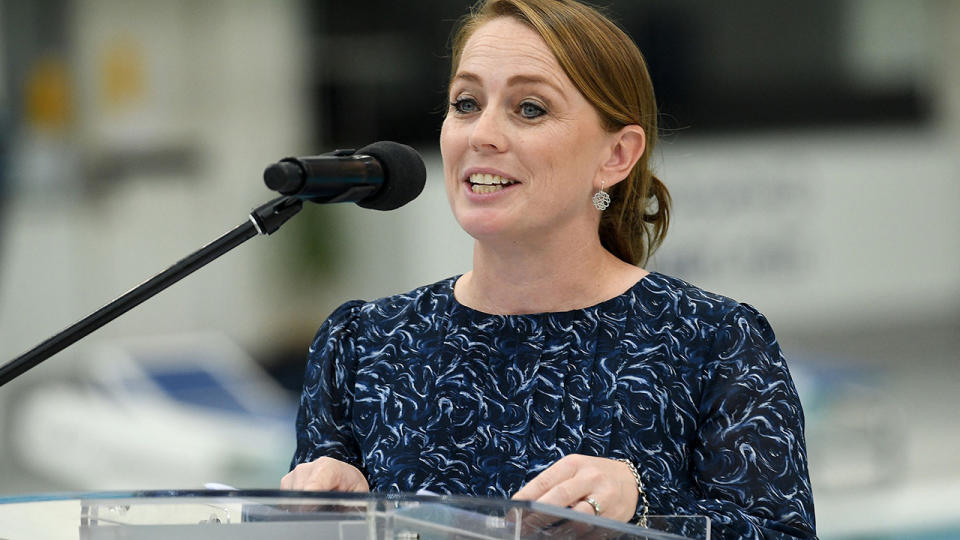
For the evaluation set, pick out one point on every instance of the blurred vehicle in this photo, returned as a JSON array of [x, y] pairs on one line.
[[155, 413]]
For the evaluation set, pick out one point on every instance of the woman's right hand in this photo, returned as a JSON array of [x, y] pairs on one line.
[[325, 474]]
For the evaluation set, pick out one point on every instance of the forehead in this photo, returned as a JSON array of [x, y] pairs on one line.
[[504, 47]]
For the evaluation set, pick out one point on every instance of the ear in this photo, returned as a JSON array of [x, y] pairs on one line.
[[627, 145]]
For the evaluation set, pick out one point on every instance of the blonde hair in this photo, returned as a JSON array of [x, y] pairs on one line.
[[609, 70]]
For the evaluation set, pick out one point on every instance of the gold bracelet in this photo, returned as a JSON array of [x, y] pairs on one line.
[[643, 496]]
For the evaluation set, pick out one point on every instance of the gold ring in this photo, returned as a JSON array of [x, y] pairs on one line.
[[593, 502]]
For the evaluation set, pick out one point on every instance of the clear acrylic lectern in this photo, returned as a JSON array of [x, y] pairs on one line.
[[281, 515]]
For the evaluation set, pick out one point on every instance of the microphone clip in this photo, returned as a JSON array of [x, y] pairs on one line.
[[267, 218]]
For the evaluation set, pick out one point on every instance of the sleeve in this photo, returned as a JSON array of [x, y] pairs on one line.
[[324, 421], [748, 463]]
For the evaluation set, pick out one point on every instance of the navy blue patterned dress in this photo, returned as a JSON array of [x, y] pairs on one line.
[[421, 392]]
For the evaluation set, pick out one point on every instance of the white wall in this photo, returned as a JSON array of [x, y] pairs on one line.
[[221, 79]]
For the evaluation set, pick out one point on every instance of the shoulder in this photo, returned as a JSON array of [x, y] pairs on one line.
[[423, 302], [666, 296], [425, 298], [671, 305], [731, 344]]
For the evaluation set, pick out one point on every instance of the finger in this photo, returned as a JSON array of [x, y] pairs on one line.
[[335, 475], [318, 475], [326, 476], [536, 523], [354, 483], [294, 480], [569, 492], [287, 481], [562, 470], [533, 522], [585, 507]]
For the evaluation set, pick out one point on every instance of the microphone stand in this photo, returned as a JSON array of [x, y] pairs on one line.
[[264, 219]]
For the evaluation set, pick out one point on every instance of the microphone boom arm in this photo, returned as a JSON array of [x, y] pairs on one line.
[[264, 219]]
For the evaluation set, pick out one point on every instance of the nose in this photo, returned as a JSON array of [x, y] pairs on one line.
[[488, 133]]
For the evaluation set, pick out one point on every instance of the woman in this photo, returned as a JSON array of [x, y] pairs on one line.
[[557, 370]]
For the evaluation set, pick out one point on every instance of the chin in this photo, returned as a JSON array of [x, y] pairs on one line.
[[482, 231], [482, 225]]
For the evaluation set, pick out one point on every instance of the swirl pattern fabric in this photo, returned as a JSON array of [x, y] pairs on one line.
[[421, 392]]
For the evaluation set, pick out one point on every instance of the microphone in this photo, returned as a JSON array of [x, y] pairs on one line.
[[383, 176]]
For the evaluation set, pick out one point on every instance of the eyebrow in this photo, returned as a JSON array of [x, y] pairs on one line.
[[512, 81]]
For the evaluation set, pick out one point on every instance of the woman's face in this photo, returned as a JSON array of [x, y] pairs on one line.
[[522, 148]]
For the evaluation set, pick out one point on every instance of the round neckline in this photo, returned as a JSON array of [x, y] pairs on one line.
[[457, 305]]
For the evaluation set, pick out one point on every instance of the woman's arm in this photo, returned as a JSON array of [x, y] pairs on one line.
[[748, 464], [325, 438]]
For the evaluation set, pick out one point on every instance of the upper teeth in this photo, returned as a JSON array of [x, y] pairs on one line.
[[489, 179]]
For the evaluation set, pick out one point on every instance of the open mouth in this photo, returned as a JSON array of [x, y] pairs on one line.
[[489, 183]]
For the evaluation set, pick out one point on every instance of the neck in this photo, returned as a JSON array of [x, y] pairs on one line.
[[559, 274]]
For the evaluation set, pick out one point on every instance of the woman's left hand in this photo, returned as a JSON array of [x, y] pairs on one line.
[[574, 478]]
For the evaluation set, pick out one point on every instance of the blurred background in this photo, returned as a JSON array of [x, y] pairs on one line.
[[812, 150]]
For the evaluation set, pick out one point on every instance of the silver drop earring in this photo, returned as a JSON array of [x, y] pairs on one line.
[[601, 200]]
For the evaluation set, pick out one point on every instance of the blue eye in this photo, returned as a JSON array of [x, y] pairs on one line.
[[531, 110], [465, 105]]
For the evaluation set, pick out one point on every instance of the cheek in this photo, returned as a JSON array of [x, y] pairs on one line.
[[568, 163], [444, 132], [448, 150], [453, 136], [444, 140], [561, 156]]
